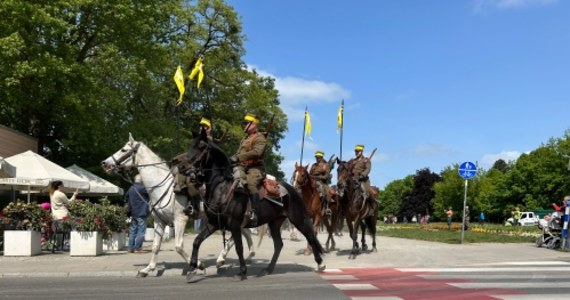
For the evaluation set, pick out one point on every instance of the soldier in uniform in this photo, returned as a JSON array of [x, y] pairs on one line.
[[361, 167], [249, 159], [189, 184], [320, 173]]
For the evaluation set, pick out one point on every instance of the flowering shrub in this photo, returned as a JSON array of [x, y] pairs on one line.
[[115, 217], [104, 217], [19, 215], [87, 216]]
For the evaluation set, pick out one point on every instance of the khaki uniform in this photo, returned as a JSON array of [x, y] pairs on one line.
[[320, 172], [250, 155], [361, 166]]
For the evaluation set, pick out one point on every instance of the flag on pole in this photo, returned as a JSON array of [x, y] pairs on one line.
[[307, 124], [179, 79], [198, 70], [339, 117]]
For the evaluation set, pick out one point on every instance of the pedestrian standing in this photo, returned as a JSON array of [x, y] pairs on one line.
[[138, 209], [449, 213]]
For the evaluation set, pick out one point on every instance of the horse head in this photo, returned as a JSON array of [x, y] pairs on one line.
[[342, 176], [301, 176], [205, 157], [124, 159]]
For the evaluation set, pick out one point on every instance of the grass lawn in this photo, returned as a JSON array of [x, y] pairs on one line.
[[438, 232]]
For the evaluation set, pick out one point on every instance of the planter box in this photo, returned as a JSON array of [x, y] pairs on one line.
[[85, 243], [115, 242], [22, 243]]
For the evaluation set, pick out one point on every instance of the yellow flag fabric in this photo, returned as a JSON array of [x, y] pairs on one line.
[[339, 118], [198, 70], [307, 124], [179, 79]]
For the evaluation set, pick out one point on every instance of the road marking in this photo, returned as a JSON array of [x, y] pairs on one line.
[[339, 277], [505, 285], [376, 298], [355, 286], [499, 269], [533, 297]]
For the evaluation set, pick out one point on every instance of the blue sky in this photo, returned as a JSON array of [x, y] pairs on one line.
[[429, 83]]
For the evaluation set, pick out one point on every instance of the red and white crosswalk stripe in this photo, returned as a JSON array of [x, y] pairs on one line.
[[440, 283]]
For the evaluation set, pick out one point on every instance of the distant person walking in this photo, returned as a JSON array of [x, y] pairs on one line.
[[449, 213], [482, 218]]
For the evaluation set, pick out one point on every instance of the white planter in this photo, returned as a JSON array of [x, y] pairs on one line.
[[115, 242], [22, 243], [85, 243]]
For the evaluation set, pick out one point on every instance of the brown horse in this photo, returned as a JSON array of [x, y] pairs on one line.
[[308, 187], [357, 211]]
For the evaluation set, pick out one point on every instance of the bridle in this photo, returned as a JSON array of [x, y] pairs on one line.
[[131, 152], [198, 161]]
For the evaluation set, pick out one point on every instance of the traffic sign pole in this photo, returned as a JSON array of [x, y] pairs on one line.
[[467, 170]]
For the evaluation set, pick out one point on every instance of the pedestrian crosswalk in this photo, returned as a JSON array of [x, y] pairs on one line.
[[508, 281]]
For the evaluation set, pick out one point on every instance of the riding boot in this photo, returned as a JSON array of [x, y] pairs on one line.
[[254, 207]]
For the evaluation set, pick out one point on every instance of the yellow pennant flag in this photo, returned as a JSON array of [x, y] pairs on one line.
[[339, 118], [307, 124], [179, 79], [198, 70]]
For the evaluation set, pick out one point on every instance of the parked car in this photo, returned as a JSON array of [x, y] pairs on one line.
[[528, 218]]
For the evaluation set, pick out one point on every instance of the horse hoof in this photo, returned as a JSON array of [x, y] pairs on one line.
[[364, 247], [201, 266], [141, 274], [265, 272], [321, 268], [220, 263], [239, 277]]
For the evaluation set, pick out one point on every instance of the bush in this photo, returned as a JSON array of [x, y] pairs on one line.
[[19, 215]]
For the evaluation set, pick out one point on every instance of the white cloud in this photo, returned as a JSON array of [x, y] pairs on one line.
[[483, 5], [296, 92], [489, 160]]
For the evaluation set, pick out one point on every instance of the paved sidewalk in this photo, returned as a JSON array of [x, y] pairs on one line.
[[392, 252]]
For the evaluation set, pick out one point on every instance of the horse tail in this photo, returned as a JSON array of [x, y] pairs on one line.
[[296, 201]]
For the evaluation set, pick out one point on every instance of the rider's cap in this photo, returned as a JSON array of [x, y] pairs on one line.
[[319, 153], [359, 148], [206, 122], [251, 118]]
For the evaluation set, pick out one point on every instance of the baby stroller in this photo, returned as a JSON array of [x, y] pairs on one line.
[[551, 231]]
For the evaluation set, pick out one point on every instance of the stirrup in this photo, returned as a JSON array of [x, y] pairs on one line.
[[252, 218]]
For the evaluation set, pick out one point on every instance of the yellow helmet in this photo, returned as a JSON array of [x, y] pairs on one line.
[[359, 148], [206, 122], [251, 118], [319, 153]]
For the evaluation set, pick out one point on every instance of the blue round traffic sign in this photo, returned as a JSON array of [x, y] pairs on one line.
[[467, 170]]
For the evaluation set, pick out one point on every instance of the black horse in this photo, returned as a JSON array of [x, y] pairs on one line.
[[225, 207]]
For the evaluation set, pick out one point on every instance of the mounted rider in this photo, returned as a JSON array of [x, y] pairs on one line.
[[190, 184], [360, 167], [249, 159], [321, 174]]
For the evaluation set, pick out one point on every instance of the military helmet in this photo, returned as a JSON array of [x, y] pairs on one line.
[[251, 118]]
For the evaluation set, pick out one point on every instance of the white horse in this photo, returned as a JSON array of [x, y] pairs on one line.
[[166, 206]]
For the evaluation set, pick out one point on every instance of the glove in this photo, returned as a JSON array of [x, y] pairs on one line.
[[234, 159]]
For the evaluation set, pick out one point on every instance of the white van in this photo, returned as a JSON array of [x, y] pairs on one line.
[[528, 218]]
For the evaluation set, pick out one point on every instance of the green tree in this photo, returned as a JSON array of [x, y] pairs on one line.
[[80, 75], [393, 194]]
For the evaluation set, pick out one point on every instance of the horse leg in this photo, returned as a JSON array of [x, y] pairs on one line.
[[238, 243], [156, 243], [277, 244], [222, 257], [372, 228], [363, 238], [303, 224], [247, 234], [193, 272], [179, 227]]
